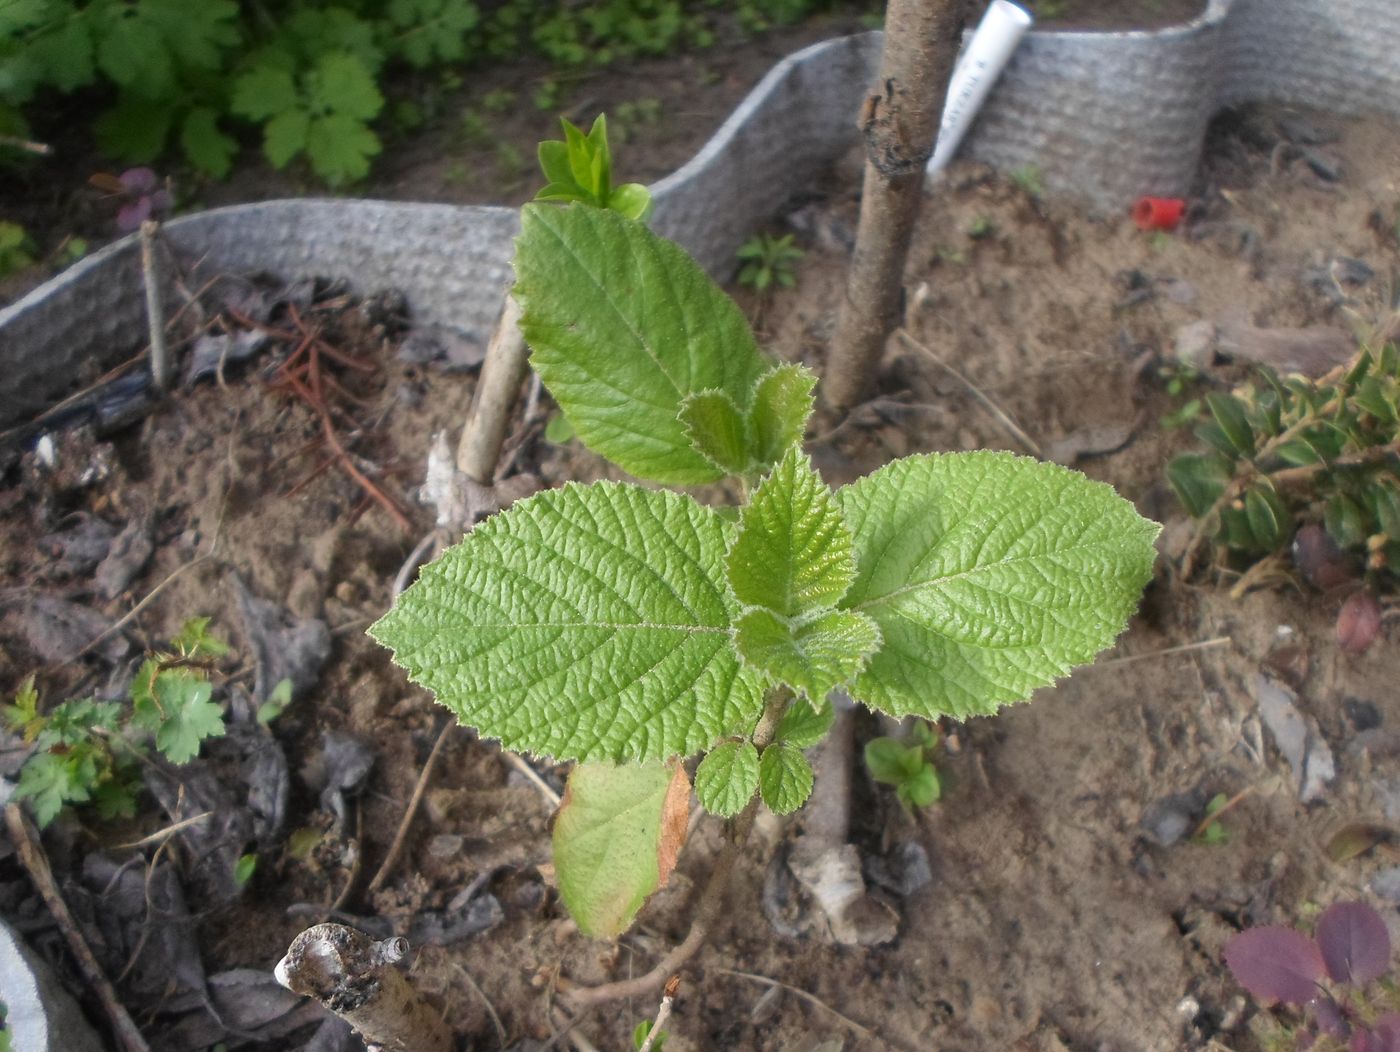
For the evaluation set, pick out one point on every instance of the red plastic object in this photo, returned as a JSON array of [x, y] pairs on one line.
[[1158, 213]]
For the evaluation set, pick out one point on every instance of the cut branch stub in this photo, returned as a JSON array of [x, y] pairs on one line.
[[354, 976]]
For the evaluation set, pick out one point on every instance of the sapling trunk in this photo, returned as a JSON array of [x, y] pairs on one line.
[[502, 371], [900, 123], [355, 977]]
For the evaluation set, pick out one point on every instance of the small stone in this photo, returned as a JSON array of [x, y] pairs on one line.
[[446, 846], [1167, 821], [915, 871], [1364, 716], [1195, 344], [1301, 744], [1324, 165], [1386, 884]]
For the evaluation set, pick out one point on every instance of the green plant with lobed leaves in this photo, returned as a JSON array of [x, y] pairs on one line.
[[628, 627], [88, 752], [1283, 451], [308, 75]]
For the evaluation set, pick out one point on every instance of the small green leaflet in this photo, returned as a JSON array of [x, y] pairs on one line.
[[814, 654], [727, 777], [623, 325], [784, 778], [587, 623], [793, 552], [989, 575], [178, 711], [616, 838], [717, 430], [803, 725], [782, 402], [790, 564]]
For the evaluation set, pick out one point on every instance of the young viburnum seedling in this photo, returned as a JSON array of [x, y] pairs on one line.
[[628, 628], [907, 765]]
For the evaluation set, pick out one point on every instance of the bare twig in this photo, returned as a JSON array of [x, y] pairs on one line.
[[811, 999], [1215, 816], [490, 1008], [155, 306], [1184, 648], [32, 857], [1010, 426], [501, 373], [392, 858], [520, 764], [161, 835], [126, 618], [564, 1027], [15, 142], [662, 1014]]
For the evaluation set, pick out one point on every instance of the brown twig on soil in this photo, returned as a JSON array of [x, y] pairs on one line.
[[391, 859], [302, 373], [1010, 426], [1229, 805], [1184, 648], [36, 864], [490, 1008], [521, 765], [160, 835], [812, 999], [662, 1014], [121, 622], [713, 905]]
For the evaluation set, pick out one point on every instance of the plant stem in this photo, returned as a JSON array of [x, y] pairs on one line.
[[155, 306], [713, 899], [501, 373], [900, 124]]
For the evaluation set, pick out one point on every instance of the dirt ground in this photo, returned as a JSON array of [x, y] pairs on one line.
[[1054, 917]]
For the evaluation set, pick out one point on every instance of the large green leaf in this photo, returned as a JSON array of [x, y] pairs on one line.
[[588, 622], [616, 838], [989, 575], [623, 325]]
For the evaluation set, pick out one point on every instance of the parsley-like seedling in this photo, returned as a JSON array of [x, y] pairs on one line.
[[628, 627], [88, 751]]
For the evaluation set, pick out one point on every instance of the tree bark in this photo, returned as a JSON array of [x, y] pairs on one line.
[[900, 124]]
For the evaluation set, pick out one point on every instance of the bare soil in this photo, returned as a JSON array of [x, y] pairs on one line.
[[1053, 919]]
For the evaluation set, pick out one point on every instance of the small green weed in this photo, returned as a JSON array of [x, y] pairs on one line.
[[769, 261], [1213, 832], [16, 250], [89, 752], [907, 765], [1029, 180], [981, 229]]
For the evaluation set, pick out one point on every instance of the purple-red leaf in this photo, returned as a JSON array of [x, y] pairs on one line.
[[138, 180], [131, 216], [1354, 942], [1330, 1019], [1275, 964]]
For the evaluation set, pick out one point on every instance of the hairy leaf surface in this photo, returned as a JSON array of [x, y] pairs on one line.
[[793, 552], [989, 575], [616, 839], [588, 623], [782, 402], [784, 778], [623, 325], [727, 777], [806, 722], [717, 430], [813, 654]]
